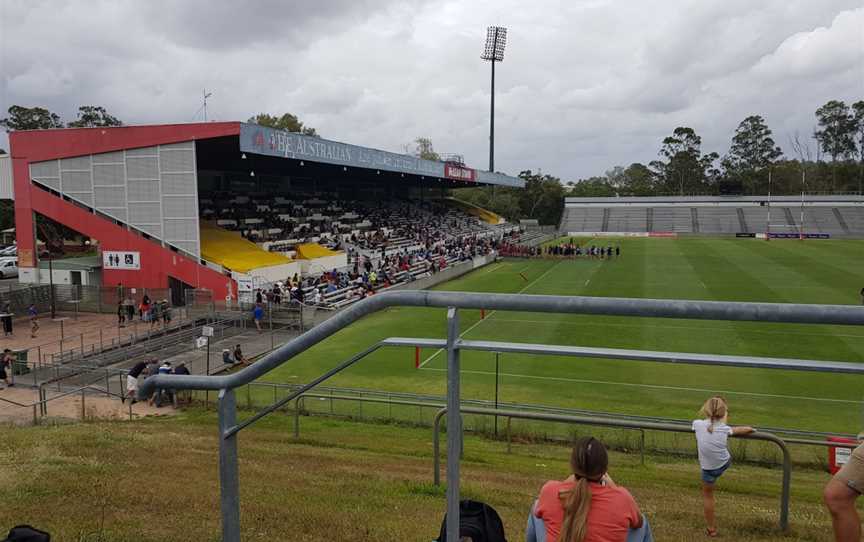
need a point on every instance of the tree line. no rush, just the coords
(754, 165)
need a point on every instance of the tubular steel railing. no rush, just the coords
(453, 301)
(361, 395)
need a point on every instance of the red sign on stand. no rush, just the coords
(459, 173)
(837, 457)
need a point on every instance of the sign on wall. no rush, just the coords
(130, 261)
(454, 171)
(270, 142)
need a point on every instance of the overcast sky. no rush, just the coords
(585, 84)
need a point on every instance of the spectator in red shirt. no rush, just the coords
(587, 506)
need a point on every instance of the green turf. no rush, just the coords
(713, 269)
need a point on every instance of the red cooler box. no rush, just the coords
(837, 457)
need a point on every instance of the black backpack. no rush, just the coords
(26, 533)
(477, 520)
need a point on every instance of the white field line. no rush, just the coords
(692, 328)
(493, 268)
(478, 322)
(655, 386)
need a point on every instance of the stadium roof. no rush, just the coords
(266, 141)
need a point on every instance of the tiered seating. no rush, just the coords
(627, 219)
(718, 219)
(279, 224)
(819, 220)
(672, 219)
(840, 216)
(854, 219)
(582, 219)
(757, 217)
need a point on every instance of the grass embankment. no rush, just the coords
(157, 480)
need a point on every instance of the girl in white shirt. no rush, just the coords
(712, 433)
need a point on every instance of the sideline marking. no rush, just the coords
(657, 386)
(478, 322)
(827, 335)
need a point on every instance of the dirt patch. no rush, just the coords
(96, 406)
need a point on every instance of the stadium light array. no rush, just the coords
(496, 40)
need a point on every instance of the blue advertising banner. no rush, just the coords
(270, 142)
(798, 236)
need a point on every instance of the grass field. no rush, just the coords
(155, 480)
(711, 269)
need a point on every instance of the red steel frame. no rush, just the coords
(157, 262)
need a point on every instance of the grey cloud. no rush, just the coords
(585, 85)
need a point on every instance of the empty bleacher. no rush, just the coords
(629, 219)
(582, 219)
(853, 217)
(718, 219)
(674, 219)
(837, 216)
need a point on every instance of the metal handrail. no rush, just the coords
(453, 301)
(607, 306)
(364, 393)
(582, 420)
(299, 402)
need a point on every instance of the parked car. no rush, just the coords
(8, 268)
(9, 251)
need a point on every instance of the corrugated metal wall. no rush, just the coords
(6, 190)
(154, 189)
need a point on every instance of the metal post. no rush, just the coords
(297, 417)
(642, 446)
(509, 442)
(82, 345)
(51, 288)
(229, 479)
(492, 115)
(496, 391)
(207, 393)
(83, 411)
(454, 423)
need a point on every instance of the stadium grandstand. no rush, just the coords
(749, 216)
(222, 205)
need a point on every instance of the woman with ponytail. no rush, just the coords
(587, 506)
(712, 433)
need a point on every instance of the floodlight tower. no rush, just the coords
(496, 39)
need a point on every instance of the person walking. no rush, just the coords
(258, 315)
(7, 319)
(121, 314)
(34, 320)
(6, 367)
(712, 434)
